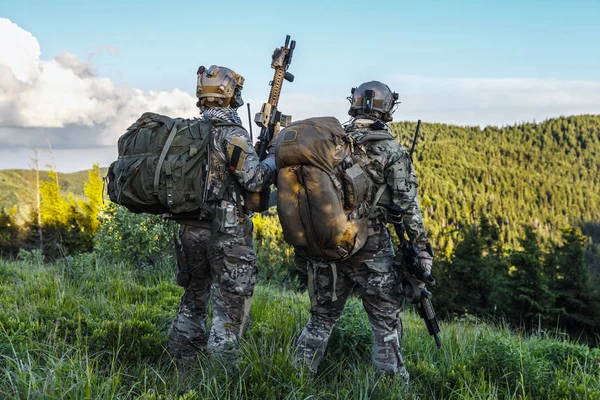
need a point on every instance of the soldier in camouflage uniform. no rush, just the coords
(215, 254)
(370, 270)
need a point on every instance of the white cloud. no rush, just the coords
(111, 49)
(480, 101)
(66, 93)
(464, 101)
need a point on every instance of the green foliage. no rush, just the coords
(540, 174)
(98, 331)
(528, 284)
(18, 188)
(528, 287)
(93, 190)
(9, 235)
(274, 256)
(141, 239)
(68, 225)
(576, 296)
(471, 281)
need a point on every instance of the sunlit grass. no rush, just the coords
(98, 331)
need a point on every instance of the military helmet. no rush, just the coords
(219, 87)
(373, 99)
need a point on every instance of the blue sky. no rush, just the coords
(428, 51)
(498, 39)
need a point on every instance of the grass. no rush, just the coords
(86, 329)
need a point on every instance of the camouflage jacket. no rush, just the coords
(233, 153)
(388, 163)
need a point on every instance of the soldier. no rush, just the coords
(371, 268)
(215, 254)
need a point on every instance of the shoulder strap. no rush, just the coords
(372, 137)
(377, 198)
(222, 122)
(163, 155)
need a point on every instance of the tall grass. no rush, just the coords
(84, 329)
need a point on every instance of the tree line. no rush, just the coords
(59, 225)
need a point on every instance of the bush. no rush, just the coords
(275, 258)
(140, 239)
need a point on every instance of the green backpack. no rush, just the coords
(163, 166)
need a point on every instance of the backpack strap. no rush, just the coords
(163, 155)
(333, 266)
(222, 122)
(311, 284)
(376, 199)
(372, 137)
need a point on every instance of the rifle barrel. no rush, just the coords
(415, 139)
(250, 123)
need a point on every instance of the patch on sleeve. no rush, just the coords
(237, 151)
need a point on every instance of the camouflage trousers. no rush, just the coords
(329, 287)
(221, 270)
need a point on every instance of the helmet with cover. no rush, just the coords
(373, 99)
(219, 87)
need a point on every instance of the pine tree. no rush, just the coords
(93, 190)
(575, 295)
(9, 235)
(531, 296)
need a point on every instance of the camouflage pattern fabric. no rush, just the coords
(220, 266)
(252, 174)
(387, 162)
(371, 269)
(224, 273)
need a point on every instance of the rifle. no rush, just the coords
(269, 119)
(412, 274)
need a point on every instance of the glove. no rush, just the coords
(257, 147)
(270, 162)
(270, 147)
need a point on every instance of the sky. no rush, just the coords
(74, 75)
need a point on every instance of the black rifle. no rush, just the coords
(412, 273)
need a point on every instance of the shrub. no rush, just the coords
(275, 258)
(126, 237)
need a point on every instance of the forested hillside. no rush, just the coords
(542, 174)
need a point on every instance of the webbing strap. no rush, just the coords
(169, 175)
(238, 199)
(377, 198)
(311, 284)
(163, 155)
(373, 137)
(228, 179)
(334, 273)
